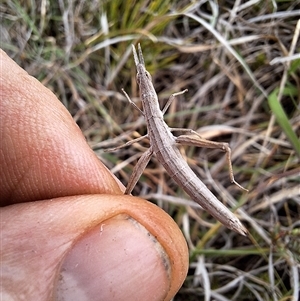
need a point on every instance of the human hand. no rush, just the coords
(67, 230)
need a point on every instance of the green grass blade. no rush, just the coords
(283, 121)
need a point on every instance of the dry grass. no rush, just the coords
(230, 57)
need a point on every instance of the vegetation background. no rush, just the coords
(240, 62)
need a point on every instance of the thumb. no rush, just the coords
(91, 247)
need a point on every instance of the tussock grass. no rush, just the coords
(240, 62)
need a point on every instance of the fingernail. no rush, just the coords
(117, 260)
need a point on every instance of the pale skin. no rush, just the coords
(57, 198)
(164, 145)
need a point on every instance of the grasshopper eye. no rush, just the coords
(148, 75)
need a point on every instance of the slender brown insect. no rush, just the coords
(164, 145)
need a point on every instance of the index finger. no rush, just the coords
(43, 152)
